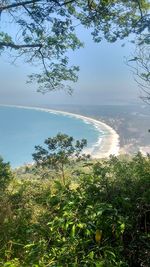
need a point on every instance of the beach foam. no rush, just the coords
(108, 142)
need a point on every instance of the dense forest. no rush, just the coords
(99, 217)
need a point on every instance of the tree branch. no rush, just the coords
(67, 2)
(45, 68)
(15, 46)
(14, 5)
(24, 3)
(140, 8)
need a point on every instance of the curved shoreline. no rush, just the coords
(108, 142)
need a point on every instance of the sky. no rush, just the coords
(104, 78)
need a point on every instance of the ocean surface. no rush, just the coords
(21, 129)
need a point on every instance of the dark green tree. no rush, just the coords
(5, 174)
(45, 30)
(61, 151)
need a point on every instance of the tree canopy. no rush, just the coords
(102, 219)
(45, 30)
(5, 175)
(62, 150)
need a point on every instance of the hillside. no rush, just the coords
(100, 217)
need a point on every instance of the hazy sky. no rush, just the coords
(103, 77)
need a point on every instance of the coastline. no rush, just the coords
(108, 142)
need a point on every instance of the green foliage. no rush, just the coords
(46, 31)
(61, 151)
(5, 174)
(104, 221)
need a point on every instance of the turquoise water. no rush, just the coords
(22, 129)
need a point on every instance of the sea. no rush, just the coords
(21, 129)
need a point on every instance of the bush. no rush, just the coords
(104, 221)
(5, 174)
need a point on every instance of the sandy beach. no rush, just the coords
(108, 142)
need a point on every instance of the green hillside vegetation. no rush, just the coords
(100, 217)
